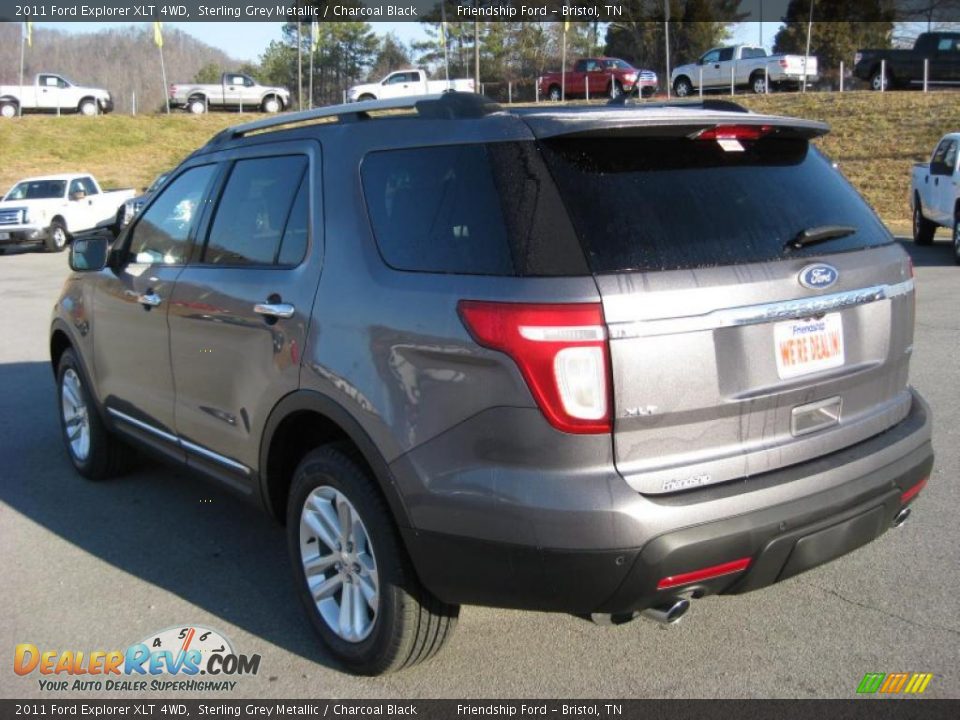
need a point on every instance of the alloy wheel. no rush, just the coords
(76, 420)
(339, 564)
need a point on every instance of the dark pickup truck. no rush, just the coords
(904, 68)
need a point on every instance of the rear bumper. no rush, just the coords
(794, 533)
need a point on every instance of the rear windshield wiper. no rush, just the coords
(819, 234)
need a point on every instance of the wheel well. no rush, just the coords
(756, 74)
(9, 99)
(272, 96)
(295, 436)
(956, 209)
(63, 222)
(684, 77)
(553, 86)
(197, 96)
(59, 342)
(86, 98)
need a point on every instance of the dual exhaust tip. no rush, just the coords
(666, 614)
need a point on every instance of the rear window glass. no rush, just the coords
(672, 203)
(484, 209)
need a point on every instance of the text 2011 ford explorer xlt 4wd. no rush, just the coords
(589, 360)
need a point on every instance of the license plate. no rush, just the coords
(808, 346)
(4, 236)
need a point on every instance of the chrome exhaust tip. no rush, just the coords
(669, 613)
(901, 517)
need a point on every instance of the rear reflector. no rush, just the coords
(734, 132)
(561, 351)
(911, 493)
(708, 573)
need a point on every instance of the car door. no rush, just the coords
(945, 65)
(240, 311)
(83, 205)
(940, 193)
(131, 339)
(710, 64)
(48, 91)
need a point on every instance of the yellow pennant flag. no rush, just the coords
(566, 25)
(29, 33)
(314, 36)
(443, 34)
(158, 34)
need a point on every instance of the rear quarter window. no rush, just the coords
(479, 209)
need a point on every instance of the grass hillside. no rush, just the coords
(875, 139)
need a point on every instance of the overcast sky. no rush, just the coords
(247, 40)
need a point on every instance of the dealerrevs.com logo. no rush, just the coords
(182, 658)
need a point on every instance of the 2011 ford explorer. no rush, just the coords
(479, 356)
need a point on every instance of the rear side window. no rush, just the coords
(673, 203)
(255, 209)
(489, 209)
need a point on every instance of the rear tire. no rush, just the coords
(923, 229)
(340, 531)
(758, 83)
(100, 455)
(57, 237)
(682, 87)
(197, 106)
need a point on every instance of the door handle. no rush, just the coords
(936, 181)
(275, 310)
(149, 299)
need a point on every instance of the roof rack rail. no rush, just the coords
(708, 104)
(449, 104)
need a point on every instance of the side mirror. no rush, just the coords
(88, 253)
(79, 195)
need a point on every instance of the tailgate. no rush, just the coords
(734, 350)
(708, 390)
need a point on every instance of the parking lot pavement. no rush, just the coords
(99, 566)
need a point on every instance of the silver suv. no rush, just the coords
(589, 360)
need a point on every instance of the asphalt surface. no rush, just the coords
(98, 566)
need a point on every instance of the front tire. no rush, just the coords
(923, 229)
(682, 87)
(956, 240)
(352, 573)
(8, 110)
(88, 108)
(878, 82)
(94, 452)
(555, 93)
(272, 105)
(615, 90)
(56, 240)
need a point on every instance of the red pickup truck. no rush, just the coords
(598, 76)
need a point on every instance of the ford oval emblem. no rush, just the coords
(818, 277)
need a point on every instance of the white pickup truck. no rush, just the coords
(48, 210)
(53, 93)
(935, 194)
(747, 65)
(403, 83)
(235, 91)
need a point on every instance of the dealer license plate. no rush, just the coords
(808, 346)
(4, 236)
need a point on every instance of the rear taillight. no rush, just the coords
(561, 351)
(734, 132)
(783, 62)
